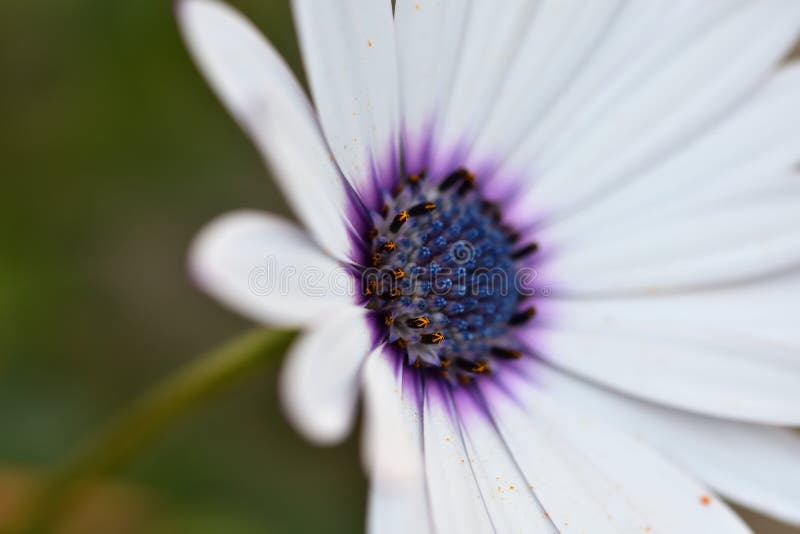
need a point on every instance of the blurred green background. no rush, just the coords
(113, 153)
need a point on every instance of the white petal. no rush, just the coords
(718, 190)
(262, 94)
(674, 86)
(731, 353)
(268, 269)
(510, 500)
(590, 478)
(349, 53)
(393, 510)
(754, 465)
(479, 69)
(392, 448)
(551, 59)
(457, 503)
(392, 437)
(731, 242)
(429, 35)
(320, 379)
(746, 153)
(759, 311)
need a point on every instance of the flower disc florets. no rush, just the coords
(442, 276)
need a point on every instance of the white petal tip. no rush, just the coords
(321, 426)
(255, 262)
(319, 384)
(209, 243)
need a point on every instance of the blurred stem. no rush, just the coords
(199, 381)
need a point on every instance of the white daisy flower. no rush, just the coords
(571, 234)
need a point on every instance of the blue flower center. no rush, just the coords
(443, 276)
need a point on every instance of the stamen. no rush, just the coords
(398, 273)
(421, 209)
(505, 354)
(469, 181)
(432, 339)
(522, 317)
(370, 289)
(419, 322)
(479, 367)
(454, 178)
(524, 251)
(464, 380)
(414, 179)
(398, 221)
(389, 246)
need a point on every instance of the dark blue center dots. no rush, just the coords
(442, 277)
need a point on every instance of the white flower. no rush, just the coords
(627, 168)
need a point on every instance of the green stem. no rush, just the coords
(200, 380)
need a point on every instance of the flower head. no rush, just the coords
(555, 243)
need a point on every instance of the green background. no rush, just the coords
(113, 153)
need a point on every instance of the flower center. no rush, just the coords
(443, 276)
